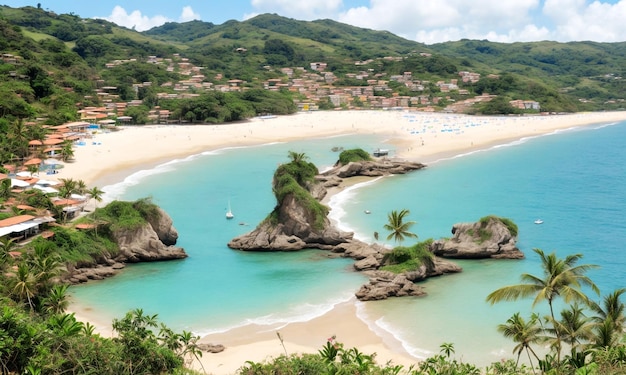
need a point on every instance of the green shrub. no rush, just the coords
(290, 180)
(511, 226)
(353, 155)
(404, 259)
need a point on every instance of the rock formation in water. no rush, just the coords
(296, 223)
(491, 237)
(152, 241)
(295, 226)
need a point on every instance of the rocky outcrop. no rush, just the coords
(488, 238)
(152, 241)
(385, 284)
(298, 228)
(293, 227)
(374, 168)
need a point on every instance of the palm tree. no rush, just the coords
(56, 302)
(574, 327)
(81, 187)
(398, 227)
(297, 157)
(561, 277)
(524, 333)
(67, 152)
(96, 194)
(609, 318)
(447, 348)
(6, 246)
(68, 187)
(24, 284)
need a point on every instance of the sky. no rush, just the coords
(425, 21)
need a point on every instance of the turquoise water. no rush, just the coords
(574, 180)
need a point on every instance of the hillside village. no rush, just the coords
(314, 85)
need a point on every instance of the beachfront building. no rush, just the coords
(21, 227)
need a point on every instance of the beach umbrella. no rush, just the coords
(19, 183)
(33, 161)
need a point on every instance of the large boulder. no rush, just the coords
(488, 238)
(384, 284)
(143, 244)
(164, 227)
(151, 241)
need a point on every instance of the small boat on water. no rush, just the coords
(229, 213)
(538, 221)
(367, 212)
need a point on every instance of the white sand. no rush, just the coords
(414, 136)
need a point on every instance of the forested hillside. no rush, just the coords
(54, 66)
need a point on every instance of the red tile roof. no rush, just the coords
(15, 220)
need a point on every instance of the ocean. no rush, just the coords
(574, 180)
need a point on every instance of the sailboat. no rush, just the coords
(229, 213)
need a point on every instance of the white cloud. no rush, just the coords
(438, 21)
(188, 15)
(140, 22)
(578, 20)
(135, 19)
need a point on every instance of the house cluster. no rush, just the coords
(25, 178)
(35, 221)
(314, 84)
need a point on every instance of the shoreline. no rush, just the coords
(257, 343)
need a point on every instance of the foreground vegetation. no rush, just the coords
(38, 336)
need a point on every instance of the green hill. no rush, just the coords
(63, 60)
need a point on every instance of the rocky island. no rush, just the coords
(299, 221)
(151, 239)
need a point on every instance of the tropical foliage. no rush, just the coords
(592, 331)
(38, 336)
(404, 259)
(292, 180)
(353, 155)
(397, 226)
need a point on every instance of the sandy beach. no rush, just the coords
(109, 157)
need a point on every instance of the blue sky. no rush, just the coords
(426, 21)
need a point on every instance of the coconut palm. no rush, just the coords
(398, 227)
(524, 333)
(297, 157)
(6, 246)
(81, 187)
(561, 277)
(95, 193)
(68, 187)
(24, 285)
(56, 302)
(574, 327)
(67, 151)
(609, 318)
